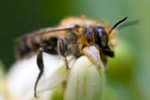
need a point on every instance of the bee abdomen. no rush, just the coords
(22, 50)
(28, 46)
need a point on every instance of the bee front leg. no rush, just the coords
(62, 48)
(40, 64)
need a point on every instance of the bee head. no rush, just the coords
(101, 38)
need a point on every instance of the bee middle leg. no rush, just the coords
(62, 48)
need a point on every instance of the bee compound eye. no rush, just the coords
(101, 37)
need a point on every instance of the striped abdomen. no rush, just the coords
(32, 42)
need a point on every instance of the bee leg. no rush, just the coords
(62, 48)
(40, 64)
(66, 62)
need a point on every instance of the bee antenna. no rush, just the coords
(122, 20)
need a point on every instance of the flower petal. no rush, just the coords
(86, 81)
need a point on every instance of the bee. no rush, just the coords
(73, 36)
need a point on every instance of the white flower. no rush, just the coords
(83, 81)
(22, 76)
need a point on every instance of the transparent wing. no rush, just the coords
(47, 30)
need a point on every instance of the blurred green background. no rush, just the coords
(21, 16)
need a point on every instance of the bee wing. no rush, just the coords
(25, 43)
(50, 29)
(47, 30)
